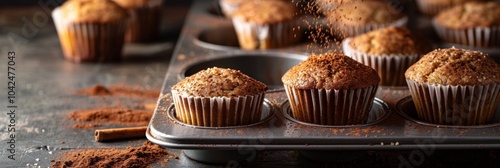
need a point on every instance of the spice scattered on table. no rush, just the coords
(138, 157)
(112, 116)
(120, 90)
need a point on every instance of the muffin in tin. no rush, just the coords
(145, 19)
(474, 24)
(433, 7)
(331, 89)
(91, 30)
(358, 17)
(455, 87)
(266, 24)
(218, 97)
(229, 6)
(390, 51)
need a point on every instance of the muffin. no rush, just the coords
(229, 6)
(91, 30)
(331, 89)
(326, 6)
(455, 87)
(265, 24)
(218, 97)
(472, 24)
(433, 7)
(145, 21)
(358, 17)
(390, 51)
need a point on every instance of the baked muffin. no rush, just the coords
(145, 21)
(433, 7)
(91, 30)
(331, 89)
(358, 17)
(265, 24)
(473, 24)
(326, 6)
(390, 51)
(218, 97)
(229, 6)
(455, 87)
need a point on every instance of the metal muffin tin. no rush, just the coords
(207, 40)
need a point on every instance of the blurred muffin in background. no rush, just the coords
(266, 24)
(145, 19)
(475, 24)
(229, 6)
(433, 7)
(358, 17)
(331, 89)
(390, 51)
(91, 30)
(455, 87)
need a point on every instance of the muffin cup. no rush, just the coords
(484, 37)
(228, 8)
(90, 42)
(455, 105)
(390, 68)
(331, 107)
(256, 36)
(431, 9)
(344, 30)
(218, 111)
(145, 22)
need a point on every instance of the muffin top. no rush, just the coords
(365, 12)
(455, 67)
(219, 82)
(386, 41)
(265, 12)
(133, 3)
(471, 14)
(94, 11)
(330, 71)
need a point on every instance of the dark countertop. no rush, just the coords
(46, 83)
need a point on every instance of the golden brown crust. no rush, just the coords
(386, 41)
(265, 12)
(472, 14)
(330, 71)
(219, 82)
(365, 12)
(455, 67)
(92, 11)
(128, 4)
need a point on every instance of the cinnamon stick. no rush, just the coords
(116, 134)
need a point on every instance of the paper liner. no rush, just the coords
(255, 36)
(218, 111)
(432, 8)
(390, 68)
(331, 107)
(455, 105)
(484, 37)
(228, 8)
(339, 28)
(145, 22)
(90, 42)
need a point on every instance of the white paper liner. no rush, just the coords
(331, 107)
(90, 42)
(390, 68)
(145, 22)
(339, 28)
(484, 37)
(455, 105)
(431, 8)
(228, 8)
(256, 36)
(218, 111)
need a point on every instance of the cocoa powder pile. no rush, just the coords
(123, 90)
(112, 116)
(137, 157)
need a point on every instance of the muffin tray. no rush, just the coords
(208, 40)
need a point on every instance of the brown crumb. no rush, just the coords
(85, 126)
(120, 90)
(138, 157)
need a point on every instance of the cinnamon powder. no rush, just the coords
(112, 116)
(120, 89)
(137, 157)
